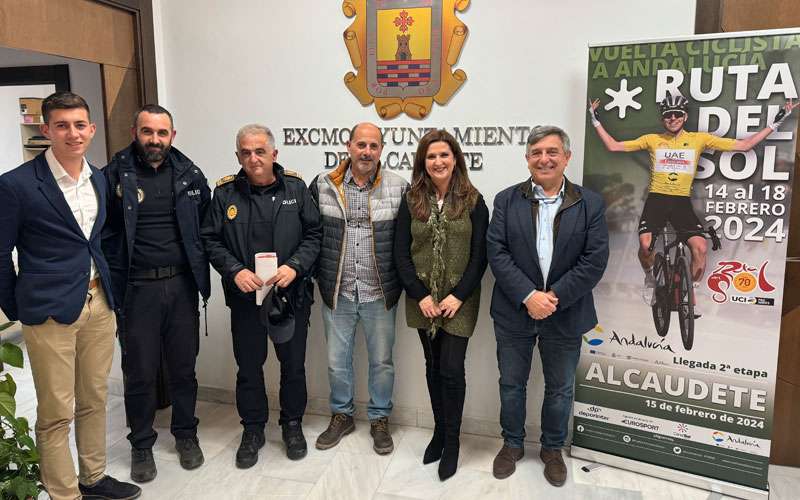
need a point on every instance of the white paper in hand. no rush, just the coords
(266, 268)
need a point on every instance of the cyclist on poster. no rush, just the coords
(674, 155)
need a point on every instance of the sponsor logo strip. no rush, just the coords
(696, 433)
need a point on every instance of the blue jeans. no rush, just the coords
(340, 332)
(559, 361)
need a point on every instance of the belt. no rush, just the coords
(157, 273)
(94, 283)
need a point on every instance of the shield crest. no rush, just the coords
(404, 48)
(403, 52)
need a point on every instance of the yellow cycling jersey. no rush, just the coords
(673, 159)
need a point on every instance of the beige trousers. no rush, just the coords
(70, 365)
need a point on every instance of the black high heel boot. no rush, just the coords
(453, 407)
(434, 450)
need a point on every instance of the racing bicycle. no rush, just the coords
(672, 270)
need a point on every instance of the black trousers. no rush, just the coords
(250, 350)
(160, 314)
(444, 373)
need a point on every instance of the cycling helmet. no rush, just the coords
(674, 103)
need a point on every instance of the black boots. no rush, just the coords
(292, 434)
(247, 454)
(447, 402)
(453, 408)
(434, 450)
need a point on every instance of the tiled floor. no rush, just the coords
(353, 471)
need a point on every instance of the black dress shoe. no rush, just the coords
(190, 453)
(109, 488)
(143, 467)
(247, 454)
(292, 433)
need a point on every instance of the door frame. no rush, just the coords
(142, 11)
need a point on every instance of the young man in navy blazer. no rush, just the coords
(51, 210)
(548, 247)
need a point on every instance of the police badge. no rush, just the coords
(403, 52)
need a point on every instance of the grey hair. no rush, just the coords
(539, 132)
(255, 129)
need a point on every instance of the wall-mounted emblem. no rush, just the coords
(403, 52)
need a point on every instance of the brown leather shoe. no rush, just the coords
(504, 462)
(555, 470)
(381, 438)
(340, 426)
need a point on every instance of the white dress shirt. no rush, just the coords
(80, 196)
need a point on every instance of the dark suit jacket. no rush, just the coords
(580, 255)
(53, 254)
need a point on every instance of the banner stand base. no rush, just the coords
(676, 476)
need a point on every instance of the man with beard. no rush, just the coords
(152, 242)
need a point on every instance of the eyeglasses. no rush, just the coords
(673, 115)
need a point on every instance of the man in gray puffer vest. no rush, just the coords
(358, 203)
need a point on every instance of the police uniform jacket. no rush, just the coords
(296, 233)
(191, 197)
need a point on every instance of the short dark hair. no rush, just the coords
(539, 132)
(154, 109)
(62, 100)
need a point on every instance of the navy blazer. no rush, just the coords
(580, 255)
(53, 254)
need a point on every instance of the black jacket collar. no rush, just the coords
(243, 185)
(127, 159)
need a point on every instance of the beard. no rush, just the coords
(152, 155)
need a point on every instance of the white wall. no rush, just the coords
(10, 119)
(226, 64)
(84, 80)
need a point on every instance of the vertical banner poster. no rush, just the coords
(680, 371)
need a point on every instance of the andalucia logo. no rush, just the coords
(403, 52)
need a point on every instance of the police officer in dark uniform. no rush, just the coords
(158, 265)
(264, 208)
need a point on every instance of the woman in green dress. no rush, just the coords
(440, 253)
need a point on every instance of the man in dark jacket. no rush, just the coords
(548, 247)
(158, 266)
(264, 208)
